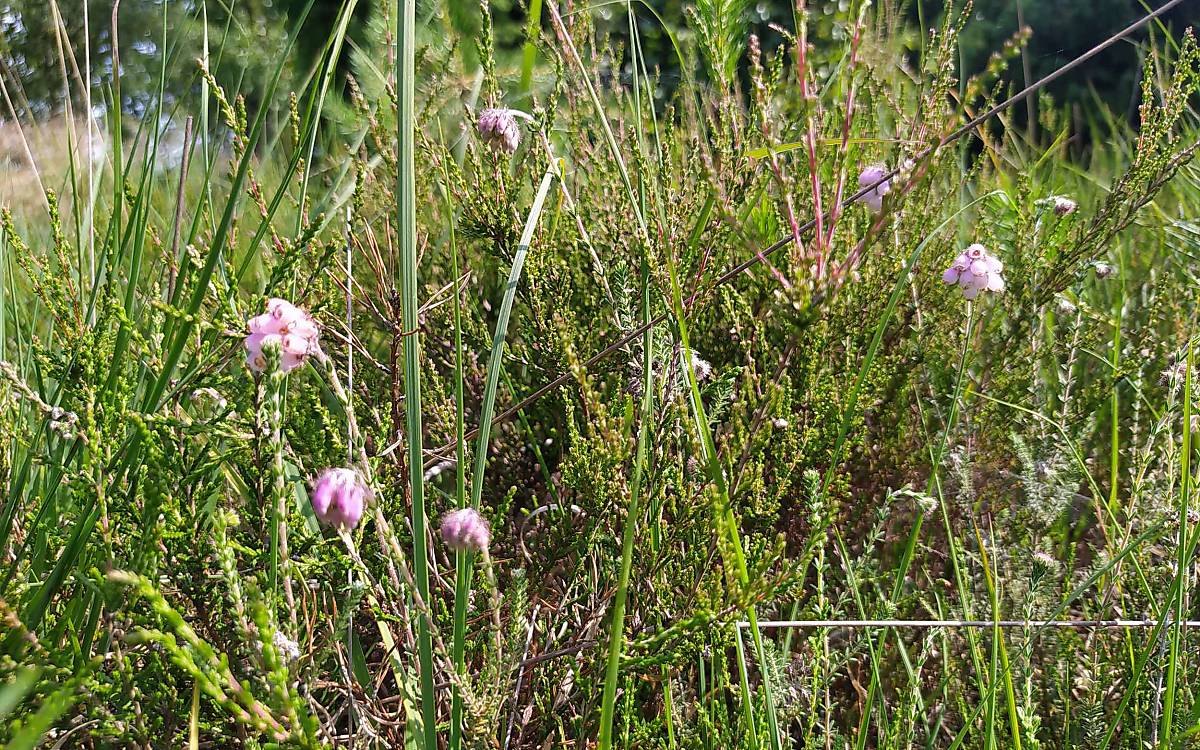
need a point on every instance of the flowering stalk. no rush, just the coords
(387, 535)
(402, 574)
(271, 417)
(810, 138)
(835, 210)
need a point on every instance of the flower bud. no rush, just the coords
(499, 129)
(339, 498)
(1064, 206)
(871, 176)
(464, 529)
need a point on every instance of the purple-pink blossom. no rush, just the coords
(499, 129)
(464, 529)
(339, 497)
(1064, 206)
(975, 270)
(870, 176)
(289, 327)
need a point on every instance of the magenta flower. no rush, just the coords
(870, 176)
(288, 326)
(499, 129)
(339, 498)
(975, 270)
(1064, 206)
(464, 529)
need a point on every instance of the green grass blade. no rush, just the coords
(406, 229)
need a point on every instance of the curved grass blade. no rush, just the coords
(465, 567)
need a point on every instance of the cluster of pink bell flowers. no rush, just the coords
(339, 495)
(975, 270)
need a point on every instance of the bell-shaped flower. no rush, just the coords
(499, 129)
(289, 327)
(339, 498)
(871, 178)
(975, 270)
(464, 529)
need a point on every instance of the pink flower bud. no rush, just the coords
(975, 270)
(464, 529)
(499, 129)
(869, 177)
(339, 498)
(1064, 206)
(288, 327)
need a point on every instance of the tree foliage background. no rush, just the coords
(251, 34)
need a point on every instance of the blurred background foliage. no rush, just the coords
(29, 46)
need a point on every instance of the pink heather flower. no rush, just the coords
(288, 326)
(870, 176)
(339, 498)
(464, 529)
(975, 270)
(499, 129)
(1064, 206)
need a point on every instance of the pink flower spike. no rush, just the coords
(339, 497)
(287, 326)
(464, 529)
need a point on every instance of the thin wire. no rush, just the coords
(740, 268)
(961, 623)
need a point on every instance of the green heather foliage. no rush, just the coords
(832, 433)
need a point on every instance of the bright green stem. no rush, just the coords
(496, 359)
(529, 56)
(999, 647)
(465, 561)
(1114, 463)
(1181, 563)
(616, 633)
(458, 647)
(724, 517)
(406, 229)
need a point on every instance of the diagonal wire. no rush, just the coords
(808, 226)
(961, 623)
